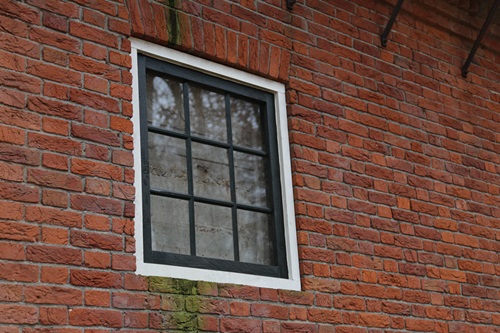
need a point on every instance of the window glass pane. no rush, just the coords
(252, 179)
(207, 114)
(214, 231)
(165, 102)
(255, 238)
(167, 163)
(246, 124)
(210, 172)
(170, 225)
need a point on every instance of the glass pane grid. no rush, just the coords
(229, 165)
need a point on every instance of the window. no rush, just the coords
(212, 171)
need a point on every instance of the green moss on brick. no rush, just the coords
(172, 286)
(193, 304)
(181, 321)
(173, 23)
(207, 288)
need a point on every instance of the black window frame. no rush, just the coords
(230, 88)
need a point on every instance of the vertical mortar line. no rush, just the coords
(232, 180)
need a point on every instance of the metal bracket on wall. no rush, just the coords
(290, 3)
(395, 12)
(465, 68)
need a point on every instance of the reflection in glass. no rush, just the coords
(214, 231)
(246, 124)
(164, 102)
(207, 114)
(210, 172)
(167, 163)
(255, 240)
(251, 179)
(169, 225)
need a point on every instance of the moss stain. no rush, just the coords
(172, 286)
(173, 27)
(187, 300)
(182, 321)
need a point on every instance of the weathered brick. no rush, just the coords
(55, 179)
(15, 314)
(53, 295)
(95, 317)
(96, 240)
(54, 254)
(96, 204)
(18, 272)
(53, 216)
(95, 279)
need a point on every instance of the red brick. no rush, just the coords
(12, 61)
(96, 204)
(95, 279)
(56, 39)
(88, 32)
(18, 192)
(11, 251)
(135, 301)
(55, 179)
(12, 98)
(53, 295)
(55, 90)
(95, 317)
(15, 314)
(53, 254)
(96, 152)
(243, 325)
(55, 22)
(54, 161)
(95, 134)
(53, 316)
(19, 231)
(18, 272)
(96, 169)
(94, 51)
(97, 298)
(374, 320)
(21, 46)
(97, 260)
(97, 222)
(135, 282)
(55, 235)
(123, 262)
(54, 73)
(125, 158)
(119, 26)
(11, 292)
(20, 81)
(57, 275)
(101, 69)
(96, 240)
(11, 172)
(136, 319)
(94, 100)
(420, 325)
(54, 143)
(53, 216)
(55, 126)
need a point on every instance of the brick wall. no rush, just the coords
(395, 162)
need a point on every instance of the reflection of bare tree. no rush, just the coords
(165, 102)
(246, 124)
(207, 114)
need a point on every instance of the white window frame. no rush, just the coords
(243, 78)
